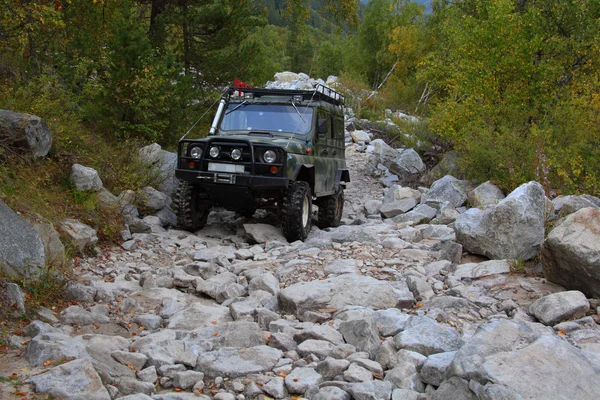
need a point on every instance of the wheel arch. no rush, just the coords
(305, 173)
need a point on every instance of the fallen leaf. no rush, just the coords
(48, 362)
(561, 333)
(281, 374)
(420, 304)
(177, 389)
(216, 334)
(214, 322)
(330, 323)
(296, 379)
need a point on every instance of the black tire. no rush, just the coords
(192, 212)
(330, 209)
(296, 211)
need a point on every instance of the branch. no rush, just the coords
(384, 80)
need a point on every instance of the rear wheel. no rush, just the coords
(296, 211)
(192, 211)
(330, 209)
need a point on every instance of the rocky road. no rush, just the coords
(387, 306)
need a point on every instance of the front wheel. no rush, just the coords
(192, 211)
(330, 209)
(296, 211)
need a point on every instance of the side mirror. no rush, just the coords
(322, 127)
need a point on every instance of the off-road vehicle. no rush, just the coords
(267, 148)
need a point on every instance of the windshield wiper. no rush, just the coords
(243, 103)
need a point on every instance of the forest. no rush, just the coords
(512, 85)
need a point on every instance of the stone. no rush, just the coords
(53, 345)
(405, 394)
(133, 386)
(421, 214)
(571, 253)
(82, 235)
(408, 162)
(359, 136)
(149, 321)
(148, 374)
(22, 252)
(390, 321)
(566, 205)
(77, 315)
(372, 207)
(342, 266)
(485, 195)
(152, 200)
(331, 367)
(187, 379)
(266, 282)
(362, 334)
(73, 380)
(513, 229)
(479, 270)
(16, 297)
(357, 373)
(434, 369)
(25, 132)
(221, 287)
(331, 393)
(454, 388)
(161, 165)
(319, 332)
(275, 388)
(136, 360)
(405, 376)
(397, 207)
(320, 348)
(85, 179)
(263, 233)
(371, 390)
(234, 362)
(336, 293)
(559, 307)
(425, 336)
(419, 287)
(447, 189)
(53, 247)
(301, 379)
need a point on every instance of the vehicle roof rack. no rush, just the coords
(320, 92)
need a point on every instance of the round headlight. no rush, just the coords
(196, 152)
(214, 152)
(270, 156)
(236, 154)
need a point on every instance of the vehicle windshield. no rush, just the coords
(267, 117)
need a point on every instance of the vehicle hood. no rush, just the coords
(289, 144)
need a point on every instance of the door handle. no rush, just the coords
(334, 153)
(324, 152)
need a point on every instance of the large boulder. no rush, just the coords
(447, 189)
(515, 354)
(85, 179)
(25, 131)
(336, 293)
(82, 235)
(74, 380)
(565, 205)
(485, 195)
(233, 362)
(53, 247)
(571, 253)
(449, 165)
(21, 247)
(161, 165)
(513, 229)
(408, 162)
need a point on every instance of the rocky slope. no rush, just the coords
(387, 306)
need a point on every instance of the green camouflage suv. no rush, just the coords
(267, 148)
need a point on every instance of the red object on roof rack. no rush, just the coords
(240, 85)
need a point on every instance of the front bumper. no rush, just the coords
(212, 179)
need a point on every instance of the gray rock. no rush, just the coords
(161, 348)
(266, 282)
(421, 214)
(447, 189)
(22, 251)
(77, 315)
(449, 165)
(397, 207)
(79, 292)
(167, 217)
(180, 396)
(405, 376)
(479, 270)
(559, 307)
(331, 393)
(566, 205)
(425, 336)
(53, 346)
(447, 213)
(331, 367)
(198, 315)
(485, 195)
(148, 374)
(53, 247)
(132, 386)
(301, 379)
(419, 287)
(136, 360)
(408, 162)
(83, 236)
(362, 334)
(342, 266)
(263, 233)
(162, 165)
(513, 229)
(434, 368)
(571, 253)
(336, 293)
(16, 297)
(454, 388)
(25, 131)
(360, 136)
(149, 321)
(372, 207)
(320, 348)
(405, 394)
(138, 396)
(275, 388)
(229, 334)
(85, 179)
(390, 321)
(319, 332)
(371, 390)
(74, 380)
(187, 379)
(98, 348)
(357, 373)
(235, 362)
(152, 200)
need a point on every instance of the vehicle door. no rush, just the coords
(322, 142)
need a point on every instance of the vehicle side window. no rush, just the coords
(327, 117)
(338, 128)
